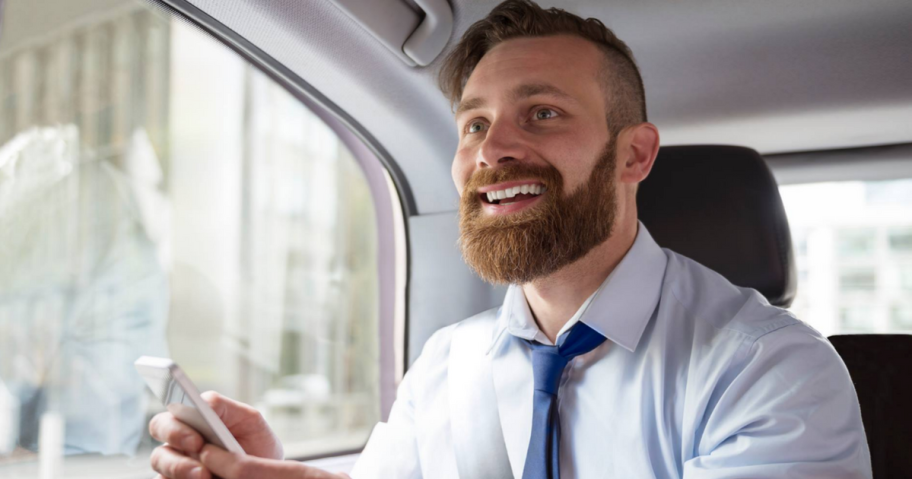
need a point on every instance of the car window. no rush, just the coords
(853, 249)
(161, 196)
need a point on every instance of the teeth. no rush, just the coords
(512, 192)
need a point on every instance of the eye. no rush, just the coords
(545, 114)
(474, 126)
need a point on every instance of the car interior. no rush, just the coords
(261, 190)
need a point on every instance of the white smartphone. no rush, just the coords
(175, 390)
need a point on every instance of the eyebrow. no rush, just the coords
(518, 93)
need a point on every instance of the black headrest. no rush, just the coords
(720, 206)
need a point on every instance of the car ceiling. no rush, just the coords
(777, 75)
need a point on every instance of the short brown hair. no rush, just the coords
(620, 77)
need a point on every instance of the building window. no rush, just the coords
(160, 196)
(856, 319)
(852, 244)
(853, 281)
(901, 316)
(905, 278)
(901, 240)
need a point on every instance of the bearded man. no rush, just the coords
(610, 356)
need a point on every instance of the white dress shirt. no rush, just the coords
(698, 378)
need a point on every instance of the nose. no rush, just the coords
(502, 144)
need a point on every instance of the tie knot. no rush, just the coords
(548, 362)
(548, 367)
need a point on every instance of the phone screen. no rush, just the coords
(172, 393)
(178, 401)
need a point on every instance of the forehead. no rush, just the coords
(569, 62)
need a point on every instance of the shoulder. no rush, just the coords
(737, 327)
(436, 351)
(782, 390)
(709, 299)
(425, 382)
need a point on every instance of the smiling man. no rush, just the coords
(610, 357)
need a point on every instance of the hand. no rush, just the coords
(179, 458)
(236, 466)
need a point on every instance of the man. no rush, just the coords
(661, 367)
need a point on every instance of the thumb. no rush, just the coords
(231, 412)
(246, 424)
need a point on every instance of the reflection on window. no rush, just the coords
(160, 196)
(852, 244)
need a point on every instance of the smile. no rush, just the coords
(504, 198)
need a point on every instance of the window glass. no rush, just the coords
(902, 317)
(905, 278)
(160, 196)
(851, 243)
(853, 248)
(901, 240)
(856, 318)
(857, 281)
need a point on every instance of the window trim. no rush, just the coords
(867, 163)
(382, 173)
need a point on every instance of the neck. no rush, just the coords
(556, 298)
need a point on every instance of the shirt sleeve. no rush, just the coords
(788, 411)
(392, 449)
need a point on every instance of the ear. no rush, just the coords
(638, 146)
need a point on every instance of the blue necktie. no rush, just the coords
(548, 363)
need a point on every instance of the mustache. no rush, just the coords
(546, 174)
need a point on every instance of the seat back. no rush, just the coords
(881, 368)
(720, 206)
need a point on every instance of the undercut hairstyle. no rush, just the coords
(619, 76)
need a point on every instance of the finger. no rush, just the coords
(228, 465)
(232, 413)
(170, 463)
(166, 428)
(247, 424)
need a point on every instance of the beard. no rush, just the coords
(533, 243)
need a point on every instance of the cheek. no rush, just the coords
(575, 168)
(461, 171)
(574, 180)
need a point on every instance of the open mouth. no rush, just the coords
(509, 193)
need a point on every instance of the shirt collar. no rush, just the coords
(619, 309)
